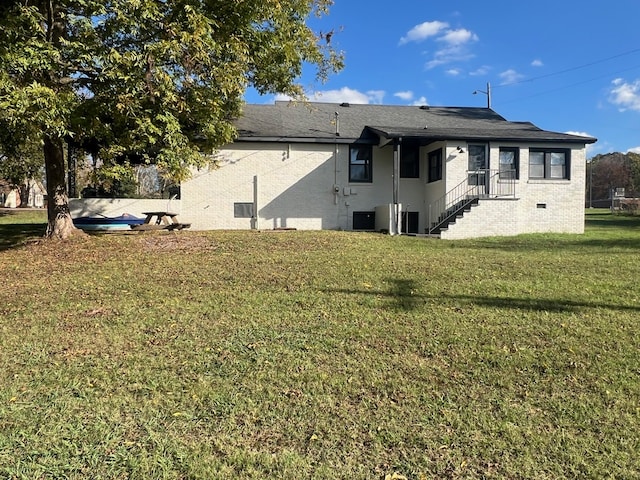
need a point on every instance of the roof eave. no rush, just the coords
(431, 137)
(284, 139)
(444, 136)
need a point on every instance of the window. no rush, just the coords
(509, 163)
(410, 161)
(536, 164)
(558, 161)
(435, 166)
(360, 157)
(549, 163)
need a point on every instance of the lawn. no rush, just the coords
(319, 355)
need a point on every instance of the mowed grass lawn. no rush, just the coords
(319, 355)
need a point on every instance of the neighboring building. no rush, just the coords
(456, 172)
(30, 194)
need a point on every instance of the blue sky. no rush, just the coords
(565, 65)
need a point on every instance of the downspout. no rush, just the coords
(336, 189)
(396, 186)
(254, 220)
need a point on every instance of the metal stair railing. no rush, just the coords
(496, 184)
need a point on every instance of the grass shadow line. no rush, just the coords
(405, 298)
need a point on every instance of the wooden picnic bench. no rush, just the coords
(160, 221)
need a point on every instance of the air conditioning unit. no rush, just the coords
(384, 218)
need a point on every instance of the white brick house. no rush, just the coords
(455, 172)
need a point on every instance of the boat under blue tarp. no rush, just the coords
(121, 222)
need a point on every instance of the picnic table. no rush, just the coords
(160, 221)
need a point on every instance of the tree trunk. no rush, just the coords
(60, 225)
(25, 190)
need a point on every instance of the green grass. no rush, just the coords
(324, 355)
(19, 226)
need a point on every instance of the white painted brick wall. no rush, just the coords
(296, 190)
(492, 217)
(563, 202)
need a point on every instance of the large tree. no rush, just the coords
(613, 170)
(146, 80)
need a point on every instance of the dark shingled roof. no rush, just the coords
(316, 122)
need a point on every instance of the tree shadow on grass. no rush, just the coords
(403, 296)
(17, 234)
(607, 219)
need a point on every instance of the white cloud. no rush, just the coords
(634, 150)
(580, 134)
(625, 95)
(455, 50)
(376, 96)
(455, 42)
(454, 72)
(420, 101)
(280, 97)
(510, 76)
(458, 37)
(481, 71)
(436, 62)
(449, 55)
(423, 31)
(407, 95)
(344, 94)
(589, 147)
(537, 63)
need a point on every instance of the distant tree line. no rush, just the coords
(611, 171)
(20, 167)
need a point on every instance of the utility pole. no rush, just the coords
(487, 93)
(591, 183)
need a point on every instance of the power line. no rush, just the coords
(569, 86)
(571, 69)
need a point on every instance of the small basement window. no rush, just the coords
(243, 210)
